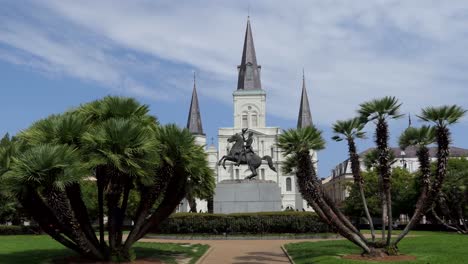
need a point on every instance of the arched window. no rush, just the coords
(288, 184)
(245, 121)
(254, 120)
(262, 173)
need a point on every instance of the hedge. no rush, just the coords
(244, 223)
(19, 230)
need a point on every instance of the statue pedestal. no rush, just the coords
(242, 196)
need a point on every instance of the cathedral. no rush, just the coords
(249, 99)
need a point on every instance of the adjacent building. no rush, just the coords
(337, 185)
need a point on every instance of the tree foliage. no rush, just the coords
(108, 158)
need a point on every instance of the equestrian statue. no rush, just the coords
(242, 153)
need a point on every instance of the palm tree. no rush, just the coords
(419, 137)
(39, 178)
(297, 145)
(124, 150)
(116, 140)
(350, 130)
(442, 117)
(97, 112)
(183, 165)
(380, 111)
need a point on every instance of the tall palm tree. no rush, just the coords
(380, 111)
(350, 130)
(442, 117)
(297, 145)
(419, 137)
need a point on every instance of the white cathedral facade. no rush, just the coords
(249, 100)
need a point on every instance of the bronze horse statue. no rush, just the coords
(251, 159)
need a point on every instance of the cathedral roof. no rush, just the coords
(305, 117)
(194, 123)
(249, 70)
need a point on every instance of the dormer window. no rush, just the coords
(249, 72)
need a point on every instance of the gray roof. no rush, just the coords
(305, 117)
(194, 123)
(410, 152)
(249, 70)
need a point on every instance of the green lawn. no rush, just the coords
(427, 247)
(32, 249)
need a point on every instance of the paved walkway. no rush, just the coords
(240, 251)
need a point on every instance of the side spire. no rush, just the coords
(194, 123)
(249, 70)
(305, 117)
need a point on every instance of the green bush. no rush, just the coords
(18, 230)
(244, 223)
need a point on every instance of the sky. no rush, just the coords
(55, 55)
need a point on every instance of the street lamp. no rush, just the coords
(403, 161)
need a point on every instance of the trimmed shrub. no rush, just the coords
(18, 230)
(242, 223)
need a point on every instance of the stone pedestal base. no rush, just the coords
(242, 196)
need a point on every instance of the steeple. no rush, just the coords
(305, 117)
(194, 123)
(249, 70)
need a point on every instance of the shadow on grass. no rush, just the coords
(163, 255)
(48, 256)
(302, 251)
(259, 257)
(36, 256)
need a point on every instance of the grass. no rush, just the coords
(427, 247)
(41, 249)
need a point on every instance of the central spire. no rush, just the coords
(249, 70)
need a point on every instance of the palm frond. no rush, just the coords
(386, 107)
(443, 115)
(412, 136)
(301, 140)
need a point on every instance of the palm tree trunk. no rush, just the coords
(385, 171)
(81, 212)
(383, 201)
(356, 169)
(121, 218)
(437, 217)
(148, 197)
(100, 174)
(113, 198)
(46, 219)
(174, 193)
(310, 189)
(424, 200)
(58, 202)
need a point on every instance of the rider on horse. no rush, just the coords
(247, 146)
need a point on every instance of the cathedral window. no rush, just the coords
(245, 122)
(288, 184)
(254, 120)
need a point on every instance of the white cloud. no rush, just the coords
(352, 50)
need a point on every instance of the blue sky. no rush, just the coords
(57, 54)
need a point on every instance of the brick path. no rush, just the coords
(240, 251)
